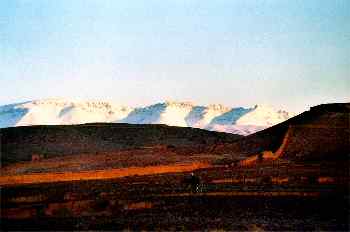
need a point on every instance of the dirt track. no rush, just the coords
(98, 174)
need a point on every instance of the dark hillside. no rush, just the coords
(20, 143)
(307, 143)
(323, 131)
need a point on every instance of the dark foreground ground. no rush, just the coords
(164, 202)
(208, 213)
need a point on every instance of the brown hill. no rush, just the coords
(322, 133)
(36, 142)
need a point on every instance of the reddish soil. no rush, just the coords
(98, 174)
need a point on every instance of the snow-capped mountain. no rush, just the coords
(59, 112)
(238, 120)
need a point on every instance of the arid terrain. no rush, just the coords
(292, 176)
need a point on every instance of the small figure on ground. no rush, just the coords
(192, 182)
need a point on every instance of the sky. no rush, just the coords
(288, 54)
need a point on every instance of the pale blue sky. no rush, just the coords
(290, 54)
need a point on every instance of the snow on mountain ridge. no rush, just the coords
(218, 107)
(262, 115)
(212, 117)
(178, 104)
(80, 103)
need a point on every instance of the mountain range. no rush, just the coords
(216, 117)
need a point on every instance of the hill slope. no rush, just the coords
(319, 134)
(20, 143)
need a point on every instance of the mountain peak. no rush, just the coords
(172, 103)
(218, 107)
